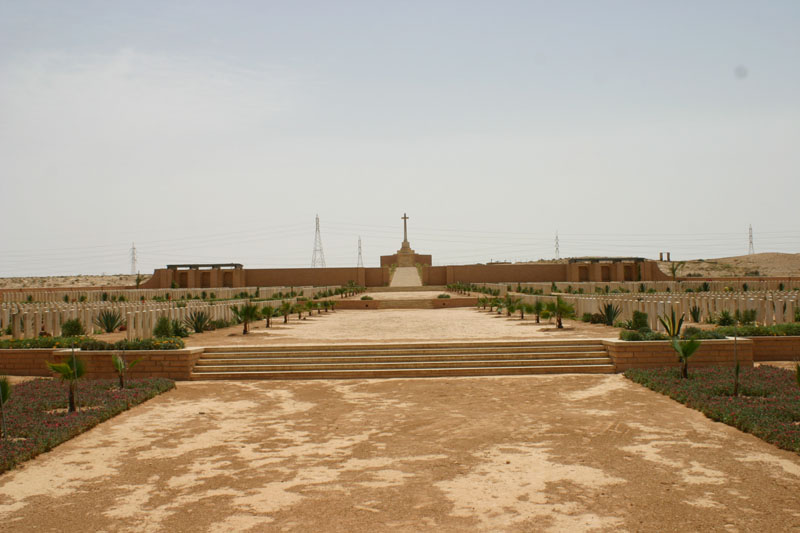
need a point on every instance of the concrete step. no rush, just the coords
(238, 359)
(367, 365)
(408, 372)
(579, 345)
(400, 353)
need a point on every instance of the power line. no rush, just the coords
(318, 258)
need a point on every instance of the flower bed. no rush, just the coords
(768, 405)
(89, 343)
(37, 420)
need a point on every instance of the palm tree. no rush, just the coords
(560, 310)
(685, 350)
(285, 309)
(71, 371)
(536, 308)
(674, 268)
(523, 308)
(5, 394)
(245, 314)
(326, 305)
(309, 306)
(268, 312)
(122, 367)
(333, 305)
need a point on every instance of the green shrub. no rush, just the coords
(219, 324)
(177, 329)
(88, 343)
(644, 334)
(108, 320)
(702, 334)
(586, 317)
(777, 330)
(725, 318)
(745, 317)
(609, 313)
(72, 328)
(198, 321)
(639, 320)
(696, 313)
(443, 295)
(163, 328)
(365, 297)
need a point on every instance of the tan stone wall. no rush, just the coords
(173, 364)
(776, 348)
(655, 354)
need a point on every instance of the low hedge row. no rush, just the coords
(777, 330)
(646, 334)
(89, 343)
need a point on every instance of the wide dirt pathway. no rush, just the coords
(543, 453)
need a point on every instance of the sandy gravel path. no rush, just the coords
(540, 453)
(399, 325)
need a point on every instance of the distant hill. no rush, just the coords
(765, 264)
(69, 282)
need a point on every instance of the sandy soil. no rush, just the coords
(398, 325)
(539, 453)
(767, 264)
(70, 282)
(410, 295)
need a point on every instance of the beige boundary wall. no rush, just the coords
(173, 364)
(655, 354)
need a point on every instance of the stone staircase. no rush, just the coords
(405, 360)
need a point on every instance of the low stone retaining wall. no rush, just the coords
(173, 364)
(654, 354)
(776, 348)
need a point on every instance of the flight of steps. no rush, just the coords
(403, 360)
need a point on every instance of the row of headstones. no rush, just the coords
(142, 323)
(31, 324)
(96, 295)
(591, 287)
(768, 311)
(88, 312)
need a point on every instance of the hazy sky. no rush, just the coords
(215, 131)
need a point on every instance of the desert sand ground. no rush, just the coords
(399, 325)
(766, 264)
(392, 325)
(539, 453)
